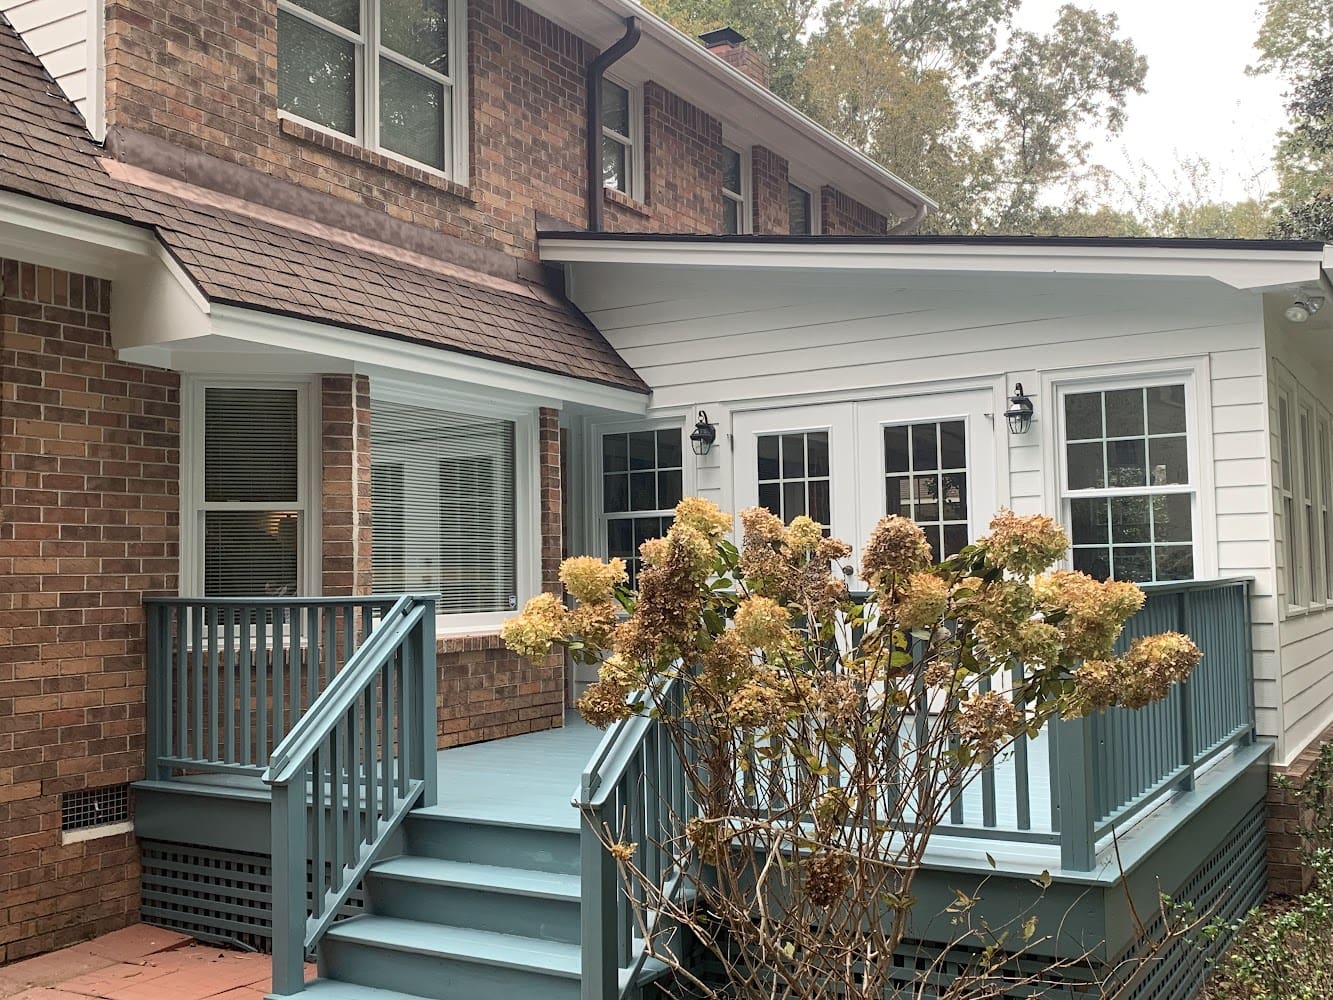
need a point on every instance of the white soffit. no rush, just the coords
(1242, 268)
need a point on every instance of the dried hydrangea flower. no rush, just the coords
(804, 535)
(703, 516)
(986, 721)
(763, 623)
(542, 622)
(923, 602)
(828, 877)
(897, 549)
(591, 580)
(604, 704)
(1025, 546)
(1093, 612)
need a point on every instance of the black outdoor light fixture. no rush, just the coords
(1019, 413)
(701, 440)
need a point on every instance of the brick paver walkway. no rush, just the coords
(138, 963)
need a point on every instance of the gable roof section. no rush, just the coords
(244, 259)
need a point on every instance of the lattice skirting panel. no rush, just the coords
(213, 895)
(1226, 886)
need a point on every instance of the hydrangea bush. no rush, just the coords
(825, 734)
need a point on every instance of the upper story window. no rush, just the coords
(622, 142)
(1129, 487)
(388, 74)
(802, 212)
(735, 192)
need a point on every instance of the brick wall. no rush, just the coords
(202, 75)
(346, 526)
(841, 215)
(1287, 875)
(485, 691)
(89, 460)
(769, 180)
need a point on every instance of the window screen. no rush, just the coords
(444, 506)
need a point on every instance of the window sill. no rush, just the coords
(624, 201)
(381, 161)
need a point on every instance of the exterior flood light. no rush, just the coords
(703, 436)
(1020, 410)
(1302, 309)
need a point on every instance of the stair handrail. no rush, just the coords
(371, 731)
(636, 757)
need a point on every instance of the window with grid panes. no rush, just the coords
(734, 189)
(793, 475)
(380, 73)
(1309, 504)
(618, 151)
(1287, 486)
(925, 468)
(1326, 502)
(642, 482)
(1128, 492)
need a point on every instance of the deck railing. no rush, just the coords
(1091, 776)
(229, 677)
(634, 788)
(346, 775)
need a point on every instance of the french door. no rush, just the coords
(927, 457)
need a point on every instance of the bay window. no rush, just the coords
(387, 74)
(1130, 489)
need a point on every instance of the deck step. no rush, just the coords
(534, 847)
(516, 901)
(329, 989)
(447, 963)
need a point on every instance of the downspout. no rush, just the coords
(596, 71)
(909, 225)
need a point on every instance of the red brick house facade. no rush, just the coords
(205, 207)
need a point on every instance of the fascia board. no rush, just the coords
(1242, 269)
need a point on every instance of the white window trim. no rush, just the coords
(368, 49)
(1194, 374)
(1307, 418)
(1293, 573)
(745, 196)
(1324, 501)
(816, 213)
(633, 142)
(595, 520)
(527, 499)
(309, 458)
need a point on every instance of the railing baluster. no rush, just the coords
(368, 763)
(405, 727)
(319, 810)
(197, 665)
(1022, 788)
(229, 685)
(182, 745)
(988, 817)
(247, 672)
(214, 682)
(158, 683)
(262, 682)
(281, 680)
(353, 722)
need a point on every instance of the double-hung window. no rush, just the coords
(1130, 489)
(1326, 504)
(622, 144)
(642, 481)
(1310, 518)
(250, 497)
(1292, 550)
(735, 192)
(385, 73)
(445, 511)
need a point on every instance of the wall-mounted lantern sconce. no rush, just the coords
(701, 440)
(1019, 413)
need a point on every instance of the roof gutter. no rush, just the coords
(596, 70)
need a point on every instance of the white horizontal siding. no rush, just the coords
(57, 33)
(727, 340)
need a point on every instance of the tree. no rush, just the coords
(822, 738)
(1305, 162)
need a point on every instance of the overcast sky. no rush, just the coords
(1199, 102)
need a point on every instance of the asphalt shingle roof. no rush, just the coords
(245, 260)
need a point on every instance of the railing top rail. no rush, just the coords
(291, 755)
(1192, 586)
(382, 600)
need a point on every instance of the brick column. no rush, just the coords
(345, 484)
(89, 496)
(1287, 875)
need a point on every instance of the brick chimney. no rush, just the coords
(728, 44)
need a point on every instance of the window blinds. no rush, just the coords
(252, 503)
(444, 509)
